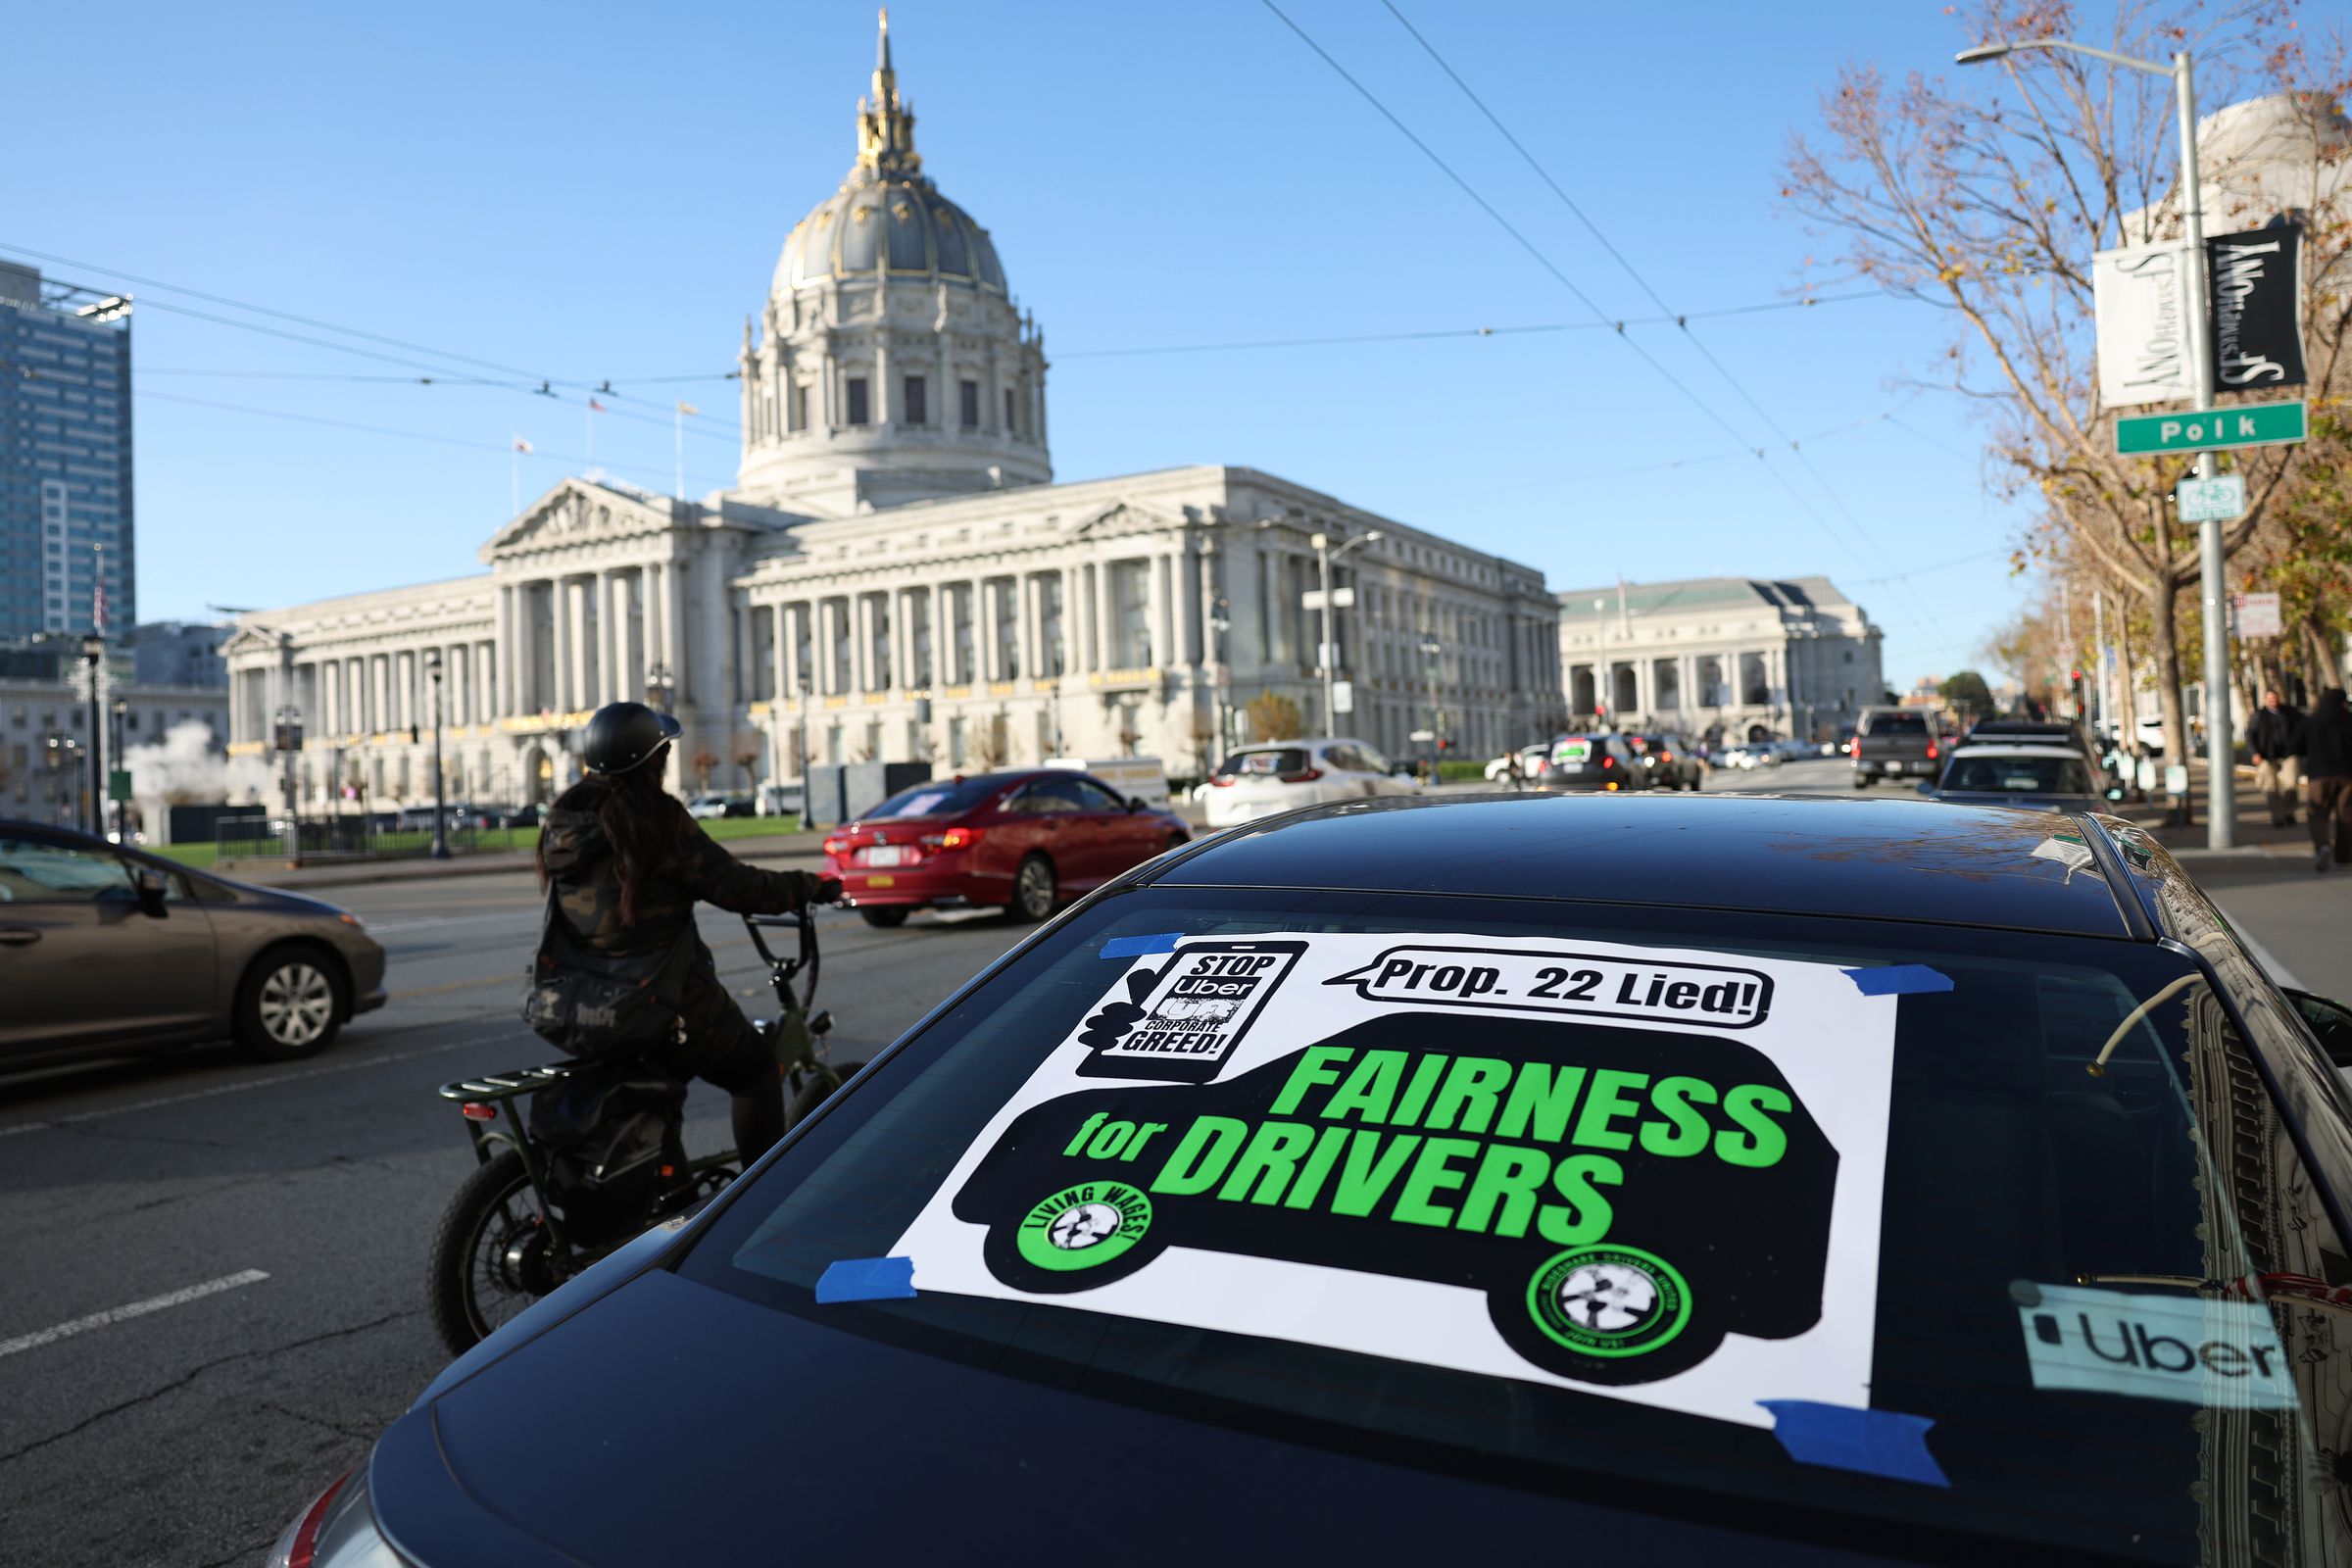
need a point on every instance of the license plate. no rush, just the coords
(881, 881)
(1569, 768)
(886, 855)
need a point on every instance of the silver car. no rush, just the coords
(105, 950)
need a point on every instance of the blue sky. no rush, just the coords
(597, 192)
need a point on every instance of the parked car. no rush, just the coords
(2058, 777)
(1526, 765)
(2030, 732)
(106, 949)
(1021, 841)
(705, 808)
(1891, 742)
(1995, 1218)
(526, 815)
(1596, 762)
(1282, 775)
(1669, 759)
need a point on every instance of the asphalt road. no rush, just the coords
(281, 1215)
(189, 1433)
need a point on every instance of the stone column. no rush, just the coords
(984, 632)
(502, 621)
(1156, 602)
(942, 637)
(1074, 594)
(673, 610)
(1107, 645)
(557, 696)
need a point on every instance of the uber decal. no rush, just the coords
(2150, 1347)
(1647, 1173)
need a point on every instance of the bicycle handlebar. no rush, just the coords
(785, 970)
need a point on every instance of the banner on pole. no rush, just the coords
(2141, 297)
(2257, 308)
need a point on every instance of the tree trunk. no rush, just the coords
(2325, 670)
(2164, 613)
(2126, 723)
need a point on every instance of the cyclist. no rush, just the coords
(627, 866)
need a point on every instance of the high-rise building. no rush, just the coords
(65, 457)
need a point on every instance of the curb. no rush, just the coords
(375, 873)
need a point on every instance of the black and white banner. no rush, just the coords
(2257, 337)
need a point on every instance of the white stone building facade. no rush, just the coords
(1722, 658)
(896, 575)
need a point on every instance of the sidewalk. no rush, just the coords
(2298, 922)
(767, 847)
(2255, 835)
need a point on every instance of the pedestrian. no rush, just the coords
(2270, 741)
(2324, 743)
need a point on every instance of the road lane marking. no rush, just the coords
(241, 1086)
(116, 1314)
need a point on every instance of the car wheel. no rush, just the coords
(885, 918)
(1861, 781)
(1034, 889)
(289, 1006)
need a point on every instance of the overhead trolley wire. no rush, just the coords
(1681, 321)
(1546, 262)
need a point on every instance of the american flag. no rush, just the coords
(595, 406)
(98, 607)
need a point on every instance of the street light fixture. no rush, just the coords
(440, 849)
(1325, 554)
(2221, 827)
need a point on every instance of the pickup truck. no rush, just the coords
(1891, 742)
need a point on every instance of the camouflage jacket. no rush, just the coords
(580, 869)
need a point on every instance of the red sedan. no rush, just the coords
(1023, 841)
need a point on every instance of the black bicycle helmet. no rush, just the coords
(623, 735)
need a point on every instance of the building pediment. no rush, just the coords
(580, 511)
(1125, 516)
(247, 641)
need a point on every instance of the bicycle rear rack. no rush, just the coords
(506, 1085)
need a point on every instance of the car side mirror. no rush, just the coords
(149, 883)
(1136, 803)
(2330, 1021)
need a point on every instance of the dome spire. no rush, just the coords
(885, 124)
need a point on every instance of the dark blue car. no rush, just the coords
(1663, 1178)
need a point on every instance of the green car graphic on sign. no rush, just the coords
(1624, 1197)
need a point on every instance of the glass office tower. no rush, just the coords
(65, 457)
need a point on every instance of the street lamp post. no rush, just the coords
(2221, 827)
(1430, 649)
(1325, 554)
(440, 849)
(114, 745)
(93, 655)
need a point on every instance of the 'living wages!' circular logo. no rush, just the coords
(1083, 1226)
(1608, 1300)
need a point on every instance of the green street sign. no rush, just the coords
(2252, 425)
(117, 784)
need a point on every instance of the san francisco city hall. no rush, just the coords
(896, 574)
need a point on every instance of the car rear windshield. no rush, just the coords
(940, 798)
(1894, 724)
(1265, 761)
(2011, 775)
(2026, 1281)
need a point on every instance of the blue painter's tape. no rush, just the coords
(1873, 1442)
(865, 1279)
(1898, 980)
(1137, 947)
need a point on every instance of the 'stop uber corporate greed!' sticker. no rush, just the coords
(1649, 1173)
